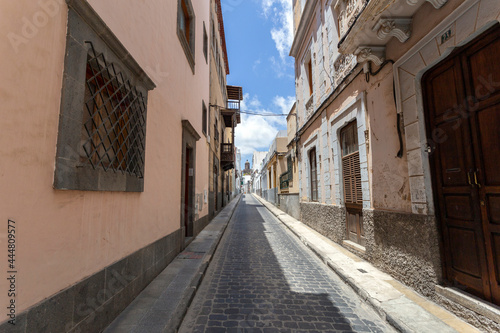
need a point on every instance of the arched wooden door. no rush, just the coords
(462, 106)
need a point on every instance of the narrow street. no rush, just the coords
(262, 279)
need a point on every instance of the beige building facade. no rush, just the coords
(379, 135)
(105, 147)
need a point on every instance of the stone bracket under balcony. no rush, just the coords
(366, 53)
(374, 22)
(388, 27)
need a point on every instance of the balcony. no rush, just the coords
(365, 26)
(227, 156)
(348, 12)
(234, 98)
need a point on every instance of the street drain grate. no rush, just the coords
(191, 255)
(362, 270)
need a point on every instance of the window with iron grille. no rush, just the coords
(102, 125)
(115, 119)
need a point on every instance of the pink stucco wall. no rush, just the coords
(65, 236)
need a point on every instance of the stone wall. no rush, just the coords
(407, 247)
(290, 204)
(328, 220)
(401, 244)
(91, 304)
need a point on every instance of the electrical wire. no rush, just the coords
(264, 114)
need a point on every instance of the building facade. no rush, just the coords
(274, 166)
(223, 117)
(289, 198)
(396, 102)
(110, 179)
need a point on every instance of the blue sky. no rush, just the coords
(258, 38)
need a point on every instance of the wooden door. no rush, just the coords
(462, 102)
(313, 174)
(351, 174)
(188, 195)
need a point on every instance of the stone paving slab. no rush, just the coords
(161, 306)
(399, 305)
(263, 279)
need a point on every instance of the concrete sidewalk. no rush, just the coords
(161, 306)
(403, 308)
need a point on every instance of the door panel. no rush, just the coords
(489, 142)
(459, 207)
(466, 162)
(451, 152)
(465, 259)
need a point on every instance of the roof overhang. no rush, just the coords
(305, 22)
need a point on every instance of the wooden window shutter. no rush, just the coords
(351, 169)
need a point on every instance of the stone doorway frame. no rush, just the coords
(468, 21)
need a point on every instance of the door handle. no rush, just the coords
(468, 178)
(475, 180)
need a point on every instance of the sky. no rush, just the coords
(259, 34)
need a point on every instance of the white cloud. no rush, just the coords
(282, 16)
(284, 103)
(257, 132)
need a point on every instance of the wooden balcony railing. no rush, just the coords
(226, 152)
(233, 105)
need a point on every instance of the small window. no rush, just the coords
(204, 118)
(313, 175)
(186, 29)
(205, 43)
(216, 130)
(309, 76)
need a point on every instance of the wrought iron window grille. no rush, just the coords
(115, 119)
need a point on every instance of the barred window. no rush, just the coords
(114, 121)
(102, 122)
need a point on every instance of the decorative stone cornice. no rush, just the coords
(393, 27)
(305, 22)
(343, 65)
(375, 54)
(436, 3)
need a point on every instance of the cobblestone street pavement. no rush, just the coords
(262, 279)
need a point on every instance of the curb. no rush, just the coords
(182, 307)
(384, 309)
